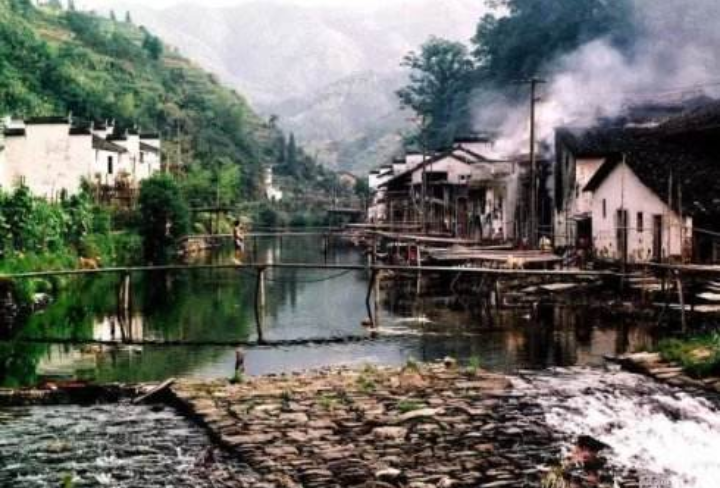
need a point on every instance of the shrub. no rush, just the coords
(163, 217)
(699, 356)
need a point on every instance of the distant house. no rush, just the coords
(109, 159)
(640, 194)
(468, 194)
(272, 193)
(53, 155)
(347, 179)
(149, 160)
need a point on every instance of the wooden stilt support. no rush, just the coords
(418, 262)
(126, 292)
(376, 301)
(326, 247)
(260, 305)
(239, 362)
(681, 297)
(124, 306)
(368, 298)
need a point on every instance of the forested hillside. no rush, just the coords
(55, 61)
(328, 71)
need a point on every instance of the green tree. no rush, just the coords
(291, 156)
(163, 217)
(526, 35)
(362, 189)
(440, 80)
(153, 45)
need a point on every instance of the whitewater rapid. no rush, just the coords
(651, 427)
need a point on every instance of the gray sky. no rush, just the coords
(98, 4)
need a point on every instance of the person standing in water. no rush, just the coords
(238, 242)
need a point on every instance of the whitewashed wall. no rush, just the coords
(623, 189)
(48, 159)
(576, 202)
(100, 173)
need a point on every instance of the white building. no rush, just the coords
(632, 223)
(47, 155)
(637, 195)
(52, 157)
(272, 193)
(468, 194)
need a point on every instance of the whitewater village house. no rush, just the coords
(470, 194)
(641, 192)
(52, 156)
(643, 187)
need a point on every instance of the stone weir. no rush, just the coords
(419, 427)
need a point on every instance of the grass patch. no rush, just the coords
(366, 384)
(237, 378)
(405, 406)
(699, 356)
(328, 402)
(473, 364)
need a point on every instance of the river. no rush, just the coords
(217, 306)
(554, 354)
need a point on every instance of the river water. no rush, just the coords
(218, 306)
(555, 354)
(108, 445)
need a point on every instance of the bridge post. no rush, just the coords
(681, 297)
(260, 304)
(368, 298)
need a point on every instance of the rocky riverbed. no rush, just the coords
(431, 426)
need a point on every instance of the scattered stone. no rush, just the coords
(391, 433)
(328, 429)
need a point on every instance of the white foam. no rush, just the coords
(648, 425)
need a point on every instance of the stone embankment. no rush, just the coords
(422, 427)
(653, 365)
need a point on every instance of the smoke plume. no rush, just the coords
(675, 55)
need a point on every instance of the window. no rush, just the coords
(640, 223)
(142, 157)
(110, 165)
(604, 204)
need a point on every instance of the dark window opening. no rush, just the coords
(640, 223)
(110, 165)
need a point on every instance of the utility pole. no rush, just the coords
(534, 221)
(423, 191)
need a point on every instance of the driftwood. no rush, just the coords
(162, 387)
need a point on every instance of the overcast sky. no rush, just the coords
(220, 3)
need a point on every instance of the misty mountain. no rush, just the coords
(329, 73)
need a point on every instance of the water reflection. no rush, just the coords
(217, 306)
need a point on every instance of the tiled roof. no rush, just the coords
(149, 148)
(657, 161)
(105, 145)
(14, 131)
(54, 120)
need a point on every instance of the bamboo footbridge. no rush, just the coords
(372, 269)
